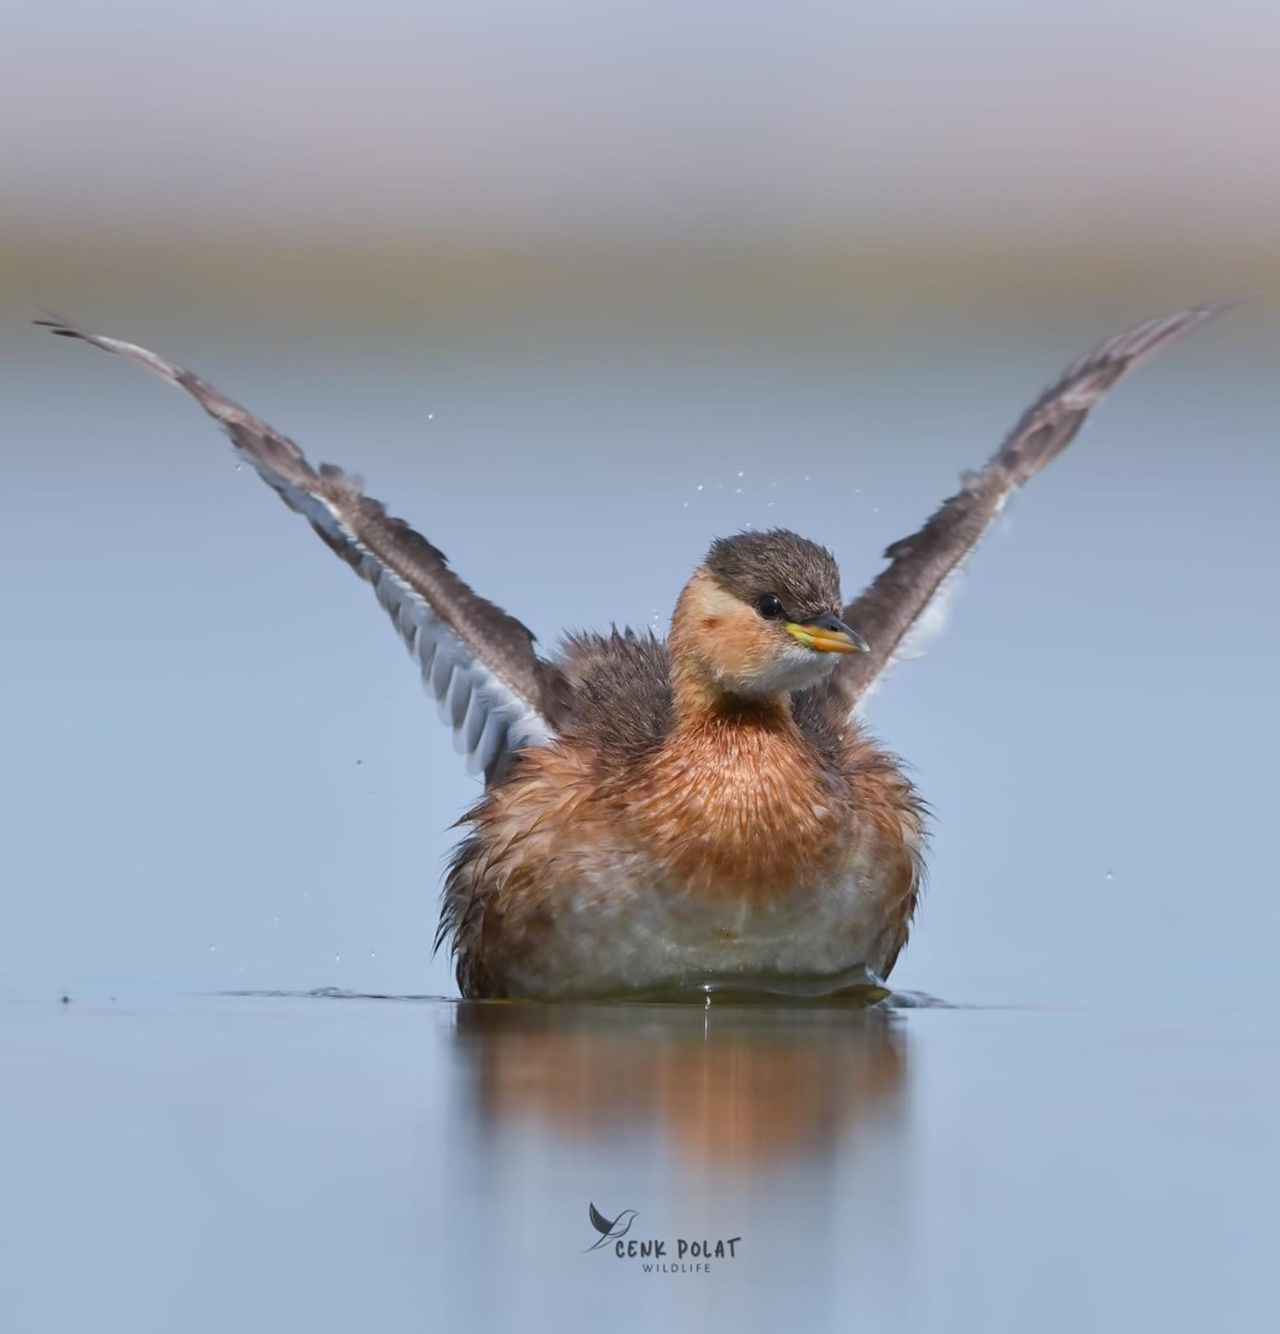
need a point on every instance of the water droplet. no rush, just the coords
(699, 486)
(431, 416)
(213, 949)
(337, 958)
(1111, 875)
(737, 490)
(741, 474)
(806, 477)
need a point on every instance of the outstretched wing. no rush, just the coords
(478, 662)
(920, 564)
(598, 1220)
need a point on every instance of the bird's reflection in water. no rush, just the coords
(722, 1085)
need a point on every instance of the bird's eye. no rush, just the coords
(770, 606)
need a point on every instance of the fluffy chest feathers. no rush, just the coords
(729, 852)
(742, 804)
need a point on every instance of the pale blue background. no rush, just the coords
(224, 773)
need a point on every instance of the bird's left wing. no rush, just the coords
(920, 565)
(478, 662)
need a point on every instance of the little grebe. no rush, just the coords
(705, 811)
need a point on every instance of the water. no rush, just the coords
(337, 1164)
(221, 775)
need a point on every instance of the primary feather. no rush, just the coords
(921, 565)
(478, 662)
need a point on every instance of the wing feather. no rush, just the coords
(478, 662)
(921, 564)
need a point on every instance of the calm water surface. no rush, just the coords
(281, 1163)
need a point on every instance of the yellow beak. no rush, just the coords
(826, 634)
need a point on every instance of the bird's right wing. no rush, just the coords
(478, 662)
(919, 565)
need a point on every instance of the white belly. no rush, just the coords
(630, 935)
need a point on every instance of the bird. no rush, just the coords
(705, 810)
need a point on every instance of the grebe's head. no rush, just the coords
(761, 617)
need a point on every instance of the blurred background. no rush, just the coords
(577, 287)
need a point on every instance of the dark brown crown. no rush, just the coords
(803, 575)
